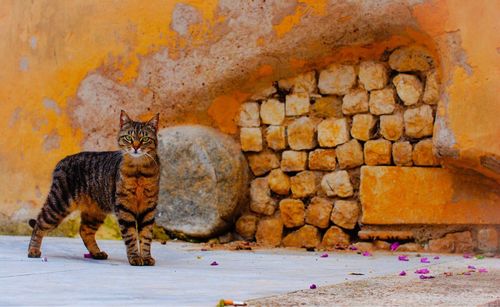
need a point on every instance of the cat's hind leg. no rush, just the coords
(92, 218)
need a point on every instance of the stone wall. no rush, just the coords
(307, 137)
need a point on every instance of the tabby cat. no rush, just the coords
(97, 183)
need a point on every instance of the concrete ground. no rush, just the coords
(183, 276)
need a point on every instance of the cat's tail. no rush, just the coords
(32, 223)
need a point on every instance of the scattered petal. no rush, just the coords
(394, 246)
(448, 274)
(402, 273)
(467, 256)
(467, 273)
(203, 249)
(436, 257)
(366, 254)
(312, 286)
(325, 255)
(483, 270)
(471, 267)
(403, 258)
(422, 271)
(87, 255)
(353, 248)
(425, 260)
(214, 263)
(426, 276)
(44, 259)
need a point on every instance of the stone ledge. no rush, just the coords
(418, 195)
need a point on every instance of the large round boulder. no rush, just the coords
(204, 181)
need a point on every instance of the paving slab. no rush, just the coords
(182, 276)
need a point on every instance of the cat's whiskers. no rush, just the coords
(149, 156)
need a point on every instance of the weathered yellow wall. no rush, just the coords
(154, 60)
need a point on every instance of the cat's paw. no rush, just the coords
(136, 261)
(100, 256)
(34, 253)
(150, 261)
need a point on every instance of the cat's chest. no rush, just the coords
(138, 185)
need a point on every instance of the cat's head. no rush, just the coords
(138, 139)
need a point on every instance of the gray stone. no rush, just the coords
(204, 181)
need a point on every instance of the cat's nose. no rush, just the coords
(136, 145)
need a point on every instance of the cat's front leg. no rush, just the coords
(128, 229)
(145, 222)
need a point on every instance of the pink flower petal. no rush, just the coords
(467, 256)
(422, 271)
(203, 249)
(87, 255)
(325, 255)
(394, 246)
(436, 257)
(312, 286)
(403, 258)
(483, 270)
(426, 276)
(467, 273)
(366, 254)
(44, 259)
(471, 267)
(353, 248)
(424, 260)
(402, 273)
(214, 263)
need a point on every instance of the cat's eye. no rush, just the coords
(145, 139)
(128, 138)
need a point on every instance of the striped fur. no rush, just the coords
(98, 183)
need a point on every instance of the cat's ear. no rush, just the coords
(153, 122)
(124, 118)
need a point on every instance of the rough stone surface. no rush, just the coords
(447, 199)
(356, 101)
(364, 246)
(423, 154)
(246, 226)
(328, 106)
(458, 242)
(251, 139)
(307, 236)
(272, 112)
(335, 237)
(431, 92)
(249, 115)
(318, 212)
(292, 212)
(262, 93)
(382, 245)
(279, 182)
(192, 200)
(391, 126)
(382, 101)
(262, 162)
(337, 184)
(269, 231)
(409, 248)
(409, 88)
(350, 154)
(345, 213)
(297, 104)
(303, 83)
(332, 132)
(337, 79)
(301, 134)
(419, 122)
(293, 161)
(275, 137)
(260, 197)
(487, 239)
(363, 126)
(322, 159)
(373, 75)
(402, 153)
(377, 152)
(410, 58)
(303, 184)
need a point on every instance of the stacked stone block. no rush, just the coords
(306, 141)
